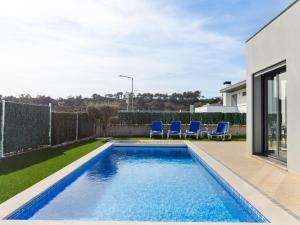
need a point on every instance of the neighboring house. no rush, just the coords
(234, 95)
(234, 99)
(273, 82)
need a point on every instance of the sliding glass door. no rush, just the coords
(282, 108)
(271, 120)
(276, 116)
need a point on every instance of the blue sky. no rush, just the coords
(73, 47)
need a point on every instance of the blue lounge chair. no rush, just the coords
(175, 129)
(222, 131)
(157, 129)
(194, 129)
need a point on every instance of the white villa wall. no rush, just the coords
(226, 97)
(218, 108)
(227, 106)
(242, 108)
(279, 41)
(241, 100)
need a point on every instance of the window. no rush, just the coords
(234, 100)
(244, 93)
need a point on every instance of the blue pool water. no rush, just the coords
(142, 184)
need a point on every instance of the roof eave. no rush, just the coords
(276, 17)
(234, 87)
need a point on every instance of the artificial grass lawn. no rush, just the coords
(22, 171)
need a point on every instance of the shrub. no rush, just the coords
(103, 115)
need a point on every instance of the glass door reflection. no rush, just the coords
(276, 116)
(271, 117)
(282, 106)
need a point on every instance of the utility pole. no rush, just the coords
(131, 89)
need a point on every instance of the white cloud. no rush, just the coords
(72, 47)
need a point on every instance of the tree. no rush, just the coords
(119, 95)
(96, 97)
(142, 101)
(103, 115)
(109, 95)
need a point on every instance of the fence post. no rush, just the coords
(50, 124)
(2, 130)
(77, 126)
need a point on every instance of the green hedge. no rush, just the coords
(85, 126)
(63, 127)
(185, 117)
(26, 127)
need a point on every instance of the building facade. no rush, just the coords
(234, 99)
(235, 95)
(273, 80)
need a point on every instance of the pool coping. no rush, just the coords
(272, 211)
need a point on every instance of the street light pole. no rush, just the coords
(131, 89)
(132, 94)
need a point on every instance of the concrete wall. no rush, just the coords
(143, 130)
(277, 42)
(214, 108)
(242, 108)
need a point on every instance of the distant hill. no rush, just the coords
(142, 101)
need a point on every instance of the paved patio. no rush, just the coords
(281, 186)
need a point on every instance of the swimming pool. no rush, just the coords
(142, 183)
